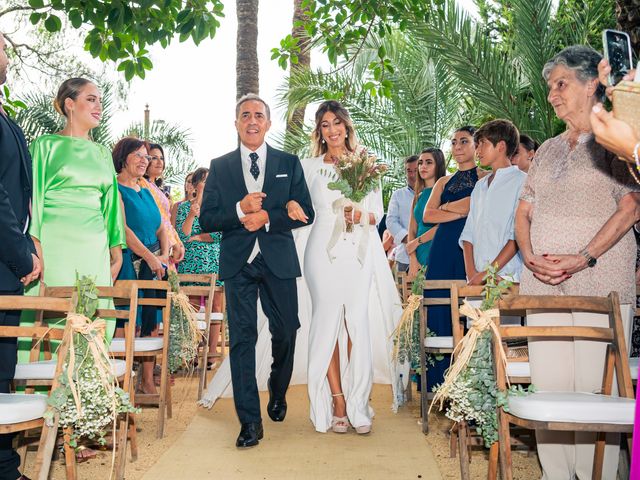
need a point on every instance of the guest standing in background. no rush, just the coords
(573, 227)
(19, 265)
(488, 237)
(448, 207)
(188, 195)
(431, 168)
(399, 214)
(524, 155)
(152, 180)
(76, 224)
(202, 250)
(147, 250)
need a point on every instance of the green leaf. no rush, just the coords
(36, 3)
(35, 17)
(75, 17)
(53, 23)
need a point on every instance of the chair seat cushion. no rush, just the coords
(215, 316)
(17, 407)
(518, 369)
(44, 370)
(633, 366)
(141, 344)
(438, 342)
(575, 407)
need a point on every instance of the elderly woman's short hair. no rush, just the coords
(123, 149)
(582, 60)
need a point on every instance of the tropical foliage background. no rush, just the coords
(449, 70)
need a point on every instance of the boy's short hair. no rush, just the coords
(499, 131)
(411, 159)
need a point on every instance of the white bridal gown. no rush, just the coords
(348, 294)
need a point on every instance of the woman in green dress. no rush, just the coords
(76, 222)
(431, 167)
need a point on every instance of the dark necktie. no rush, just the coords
(254, 169)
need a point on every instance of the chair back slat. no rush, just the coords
(207, 279)
(583, 333)
(20, 302)
(36, 332)
(553, 302)
(442, 284)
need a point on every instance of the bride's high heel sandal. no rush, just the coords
(339, 424)
(363, 429)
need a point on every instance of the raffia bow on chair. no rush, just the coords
(482, 321)
(185, 335)
(403, 334)
(93, 332)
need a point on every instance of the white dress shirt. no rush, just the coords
(253, 184)
(490, 223)
(398, 217)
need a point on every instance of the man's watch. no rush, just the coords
(591, 261)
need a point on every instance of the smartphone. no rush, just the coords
(617, 51)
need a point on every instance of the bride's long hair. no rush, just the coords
(319, 146)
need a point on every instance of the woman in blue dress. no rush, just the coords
(147, 252)
(448, 207)
(431, 168)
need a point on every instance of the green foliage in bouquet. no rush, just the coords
(99, 399)
(475, 395)
(357, 174)
(184, 336)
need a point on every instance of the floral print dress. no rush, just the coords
(199, 257)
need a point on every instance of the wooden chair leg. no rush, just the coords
(598, 457)
(492, 473)
(453, 440)
(464, 451)
(504, 438)
(22, 448)
(203, 362)
(133, 437)
(120, 439)
(162, 403)
(168, 399)
(45, 450)
(408, 391)
(69, 455)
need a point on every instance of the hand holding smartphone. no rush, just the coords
(617, 51)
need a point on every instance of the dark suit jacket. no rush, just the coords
(15, 194)
(283, 181)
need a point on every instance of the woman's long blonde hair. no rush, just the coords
(319, 146)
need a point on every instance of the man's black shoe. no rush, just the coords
(277, 407)
(250, 434)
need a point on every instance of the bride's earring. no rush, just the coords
(323, 141)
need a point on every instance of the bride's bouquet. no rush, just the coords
(356, 175)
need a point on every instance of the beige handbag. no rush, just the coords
(626, 103)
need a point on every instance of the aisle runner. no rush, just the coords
(396, 449)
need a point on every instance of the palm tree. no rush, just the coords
(247, 67)
(295, 120)
(628, 17)
(40, 118)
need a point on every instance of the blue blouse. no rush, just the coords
(422, 252)
(143, 216)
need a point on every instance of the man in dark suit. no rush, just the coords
(247, 197)
(19, 265)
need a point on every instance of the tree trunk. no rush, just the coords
(296, 120)
(628, 19)
(247, 68)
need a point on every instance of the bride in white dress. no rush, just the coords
(348, 303)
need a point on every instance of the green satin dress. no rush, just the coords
(75, 210)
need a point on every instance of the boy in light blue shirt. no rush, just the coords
(489, 235)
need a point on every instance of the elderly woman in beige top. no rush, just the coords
(573, 228)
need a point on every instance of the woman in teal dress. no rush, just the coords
(431, 167)
(201, 249)
(76, 222)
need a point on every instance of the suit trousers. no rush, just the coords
(572, 365)
(9, 459)
(279, 301)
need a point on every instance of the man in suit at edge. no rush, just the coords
(19, 265)
(246, 198)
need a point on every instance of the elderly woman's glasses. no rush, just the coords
(141, 156)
